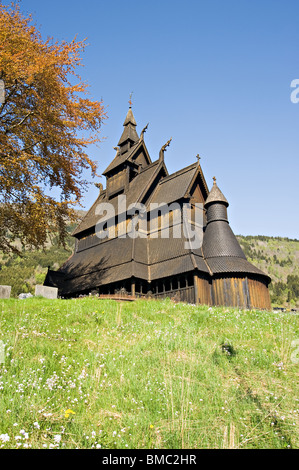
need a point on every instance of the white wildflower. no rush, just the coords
(57, 438)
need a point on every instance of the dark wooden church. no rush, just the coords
(154, 265)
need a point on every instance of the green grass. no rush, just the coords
(146, 374)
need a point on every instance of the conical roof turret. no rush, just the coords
(219, 239)
(215, 195)
(221, 249)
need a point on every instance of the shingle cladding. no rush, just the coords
(135, 189)
(105, 255)
(144, 258)
(119, 159)
(174, 187)
(219, 240)
(98, 263)
(221, 249)
(228, 264)
(171, 267)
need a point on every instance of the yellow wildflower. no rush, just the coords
(68, 412)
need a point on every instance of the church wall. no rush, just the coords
(259, 294)
(230, 291)
(204, 295)
(241, 292)
(140, 159)
(116, 183)
(196, 193)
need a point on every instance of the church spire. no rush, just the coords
(129, 136)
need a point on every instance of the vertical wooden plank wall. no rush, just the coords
(259, 294)
(240, 292)
(203, 291)
(232, 291)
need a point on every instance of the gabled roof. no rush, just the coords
(88, 220)
(119, 159)
(177, 185)
(136, 189)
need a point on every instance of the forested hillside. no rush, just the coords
(278, 257)
(30, 268)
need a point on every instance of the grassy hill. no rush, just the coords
(278, 257)
(90, 373)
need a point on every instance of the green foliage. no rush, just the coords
(279, 258)
(24, 272)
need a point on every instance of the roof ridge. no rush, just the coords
(160, 164)
(182, 255)
(101, 195)
(179, 172)
(149, 166)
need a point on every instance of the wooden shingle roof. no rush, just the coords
(174, 187)
(134, 194)
(129, 132)
(221, 249)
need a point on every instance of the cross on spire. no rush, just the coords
(214, 179)
(130, 100)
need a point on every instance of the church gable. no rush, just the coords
(174, 187)
(140, 156)
(198, 189)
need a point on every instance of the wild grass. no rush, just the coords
(90, 373)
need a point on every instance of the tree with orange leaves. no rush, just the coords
(46, 124)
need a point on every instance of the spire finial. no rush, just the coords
(198, 158)
(214, 179)
(130, 100)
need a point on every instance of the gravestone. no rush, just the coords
(5, 292)
(47, 292)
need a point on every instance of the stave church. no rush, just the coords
(158, 263)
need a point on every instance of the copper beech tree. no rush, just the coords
(47, 122)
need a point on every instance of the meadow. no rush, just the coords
(90, 373)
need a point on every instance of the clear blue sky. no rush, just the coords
(214, 75)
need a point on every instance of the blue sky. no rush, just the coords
(214, 75)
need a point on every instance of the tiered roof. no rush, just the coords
(97, 262)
